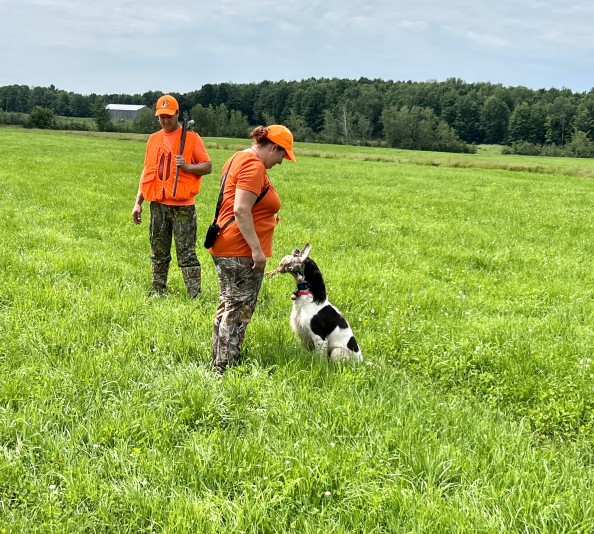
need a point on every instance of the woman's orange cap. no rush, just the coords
(283, 137)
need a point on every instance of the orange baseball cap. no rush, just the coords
(167, 105)
(283, 137)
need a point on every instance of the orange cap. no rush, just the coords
(283, 137)
(167, 105)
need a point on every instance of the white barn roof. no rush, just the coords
(125, 107)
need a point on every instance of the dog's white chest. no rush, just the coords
(304, 309)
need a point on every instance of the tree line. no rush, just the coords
(452, 115)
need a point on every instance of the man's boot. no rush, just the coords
(193, 281)
(160, 271)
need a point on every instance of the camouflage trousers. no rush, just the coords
(178, 222)
(239, 286)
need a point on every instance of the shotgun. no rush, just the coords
(182, 142)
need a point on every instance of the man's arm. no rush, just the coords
(199, 169)
(137, 210)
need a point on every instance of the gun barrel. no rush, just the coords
(182, 143)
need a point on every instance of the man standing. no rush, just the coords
(174, 163)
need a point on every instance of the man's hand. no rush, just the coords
(137, 213)
(181, 163)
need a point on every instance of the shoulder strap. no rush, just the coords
(221, 190)
(260, 197)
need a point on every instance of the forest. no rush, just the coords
(450, 116)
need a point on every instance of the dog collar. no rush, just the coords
(303, 288)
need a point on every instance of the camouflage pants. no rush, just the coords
(239, 287)
(179, 222)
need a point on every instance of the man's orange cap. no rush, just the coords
(167, 105)
(283, 137)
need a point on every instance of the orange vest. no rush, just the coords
(159, 171)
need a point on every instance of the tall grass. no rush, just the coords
(469, 289)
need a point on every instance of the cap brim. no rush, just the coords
(289, 155)
(165, 112)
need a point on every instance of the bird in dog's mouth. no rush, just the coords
(293, 263)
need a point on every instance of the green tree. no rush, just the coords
(494, 120)
(519, 124)
(361, 128)
(580, 145)
(314, 104)
(299, 127)
(238, 124)
(101, 116)
(205, 120)
(221, 120)
(559, 118)
(419, 129)
(42, 118)
(146, 122)
(584, 116)
(538, 123)
(468, 118)
(331, 130)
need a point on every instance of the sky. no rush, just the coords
(131, 47)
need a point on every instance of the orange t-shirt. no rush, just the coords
(248, 173)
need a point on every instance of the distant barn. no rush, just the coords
(124, 112)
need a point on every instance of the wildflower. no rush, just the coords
(327, 493)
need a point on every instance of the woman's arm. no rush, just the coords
(242, 209)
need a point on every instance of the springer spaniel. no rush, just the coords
(318, 323)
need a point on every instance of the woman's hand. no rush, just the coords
(259, 260)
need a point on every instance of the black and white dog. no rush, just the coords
(318, 323)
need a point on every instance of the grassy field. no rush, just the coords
(468, 281)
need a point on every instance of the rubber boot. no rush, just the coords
(160, 271)
(193, 281)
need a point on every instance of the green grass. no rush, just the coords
(466, 278)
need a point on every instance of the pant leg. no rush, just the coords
(184, 232)
(239, 288)
(160, 234)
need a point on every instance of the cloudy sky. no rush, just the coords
(128, 46)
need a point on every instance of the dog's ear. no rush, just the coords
(306, 251)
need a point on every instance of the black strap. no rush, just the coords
(260, 197)
(220, 200)
(221, 190)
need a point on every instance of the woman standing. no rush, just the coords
(241, 248)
